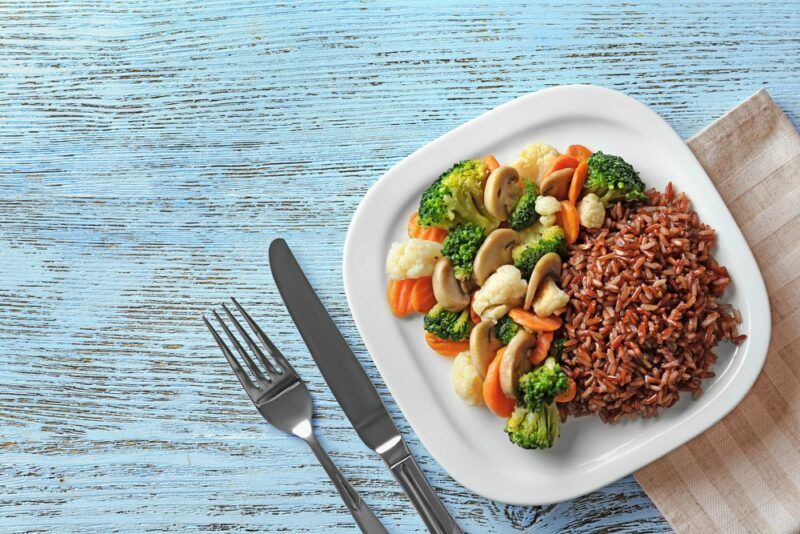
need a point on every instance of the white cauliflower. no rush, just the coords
(532, 157)
(467, 383)
(547, 205)
(547, 220)
(591, 211)
(412, 259)
(549, 298)
(503, 290)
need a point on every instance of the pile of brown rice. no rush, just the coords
(643, 315)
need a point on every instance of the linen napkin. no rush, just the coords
(743, 474)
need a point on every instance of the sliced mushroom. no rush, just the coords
(494, 253)
(502, 192)
(548, 265)
(482, 346)
(556, 184)
(446, 287)
(515, 363)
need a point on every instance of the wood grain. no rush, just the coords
(150, 151)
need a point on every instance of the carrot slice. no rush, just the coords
(579, 152)
(422, 298)
(533, 322)
(539, 352)
(578, 179)
(493, 395)
(414, 229)
(446, 347)
(562, 162)
(568, 219)
(433, 233)
(490, 162)
(398, 293)
(569, 394)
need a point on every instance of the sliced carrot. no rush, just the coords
(433, 233)
(446, 347)
(493, 395)
(422, 298)
(562, 162)
(490, 162)
(414, 229)
(578, 179)
(569, 394)
(539, 352)
(579, 152)
(568, 219)
(533, 322)
(398, 293)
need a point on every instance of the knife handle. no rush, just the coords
(430, 508)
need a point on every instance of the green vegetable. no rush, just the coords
(613, 179)
(461, 245)
(505, 329)
(456, 197)
(556, 348)
(534, 429)
(529, 253)
(524, 214)
(540, 386)
(448, 325)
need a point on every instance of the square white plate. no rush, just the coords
(470, 442)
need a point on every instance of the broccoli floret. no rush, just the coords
(524, 214)
(528, 254)
(612, 179)
(534, 429)
(556, 348)
(505, 329)
(457, 197)
(448, 325)
(540, 386)
(461, 245)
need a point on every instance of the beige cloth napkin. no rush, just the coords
(743, 475)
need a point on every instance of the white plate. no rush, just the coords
(469, 442)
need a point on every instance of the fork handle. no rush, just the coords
(361, 512)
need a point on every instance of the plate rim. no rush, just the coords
(756, 297)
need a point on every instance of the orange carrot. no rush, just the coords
(433, 233)
(491, 162)
(579, 152)
(568, 219)
(446, 347)
(562, 162)
(539, 352)
(422, 299)
(533, 322)
(569, 394)
(414, 229)
(398, 293)
(493, 395)
(578, 179)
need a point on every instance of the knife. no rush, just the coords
(352, 387)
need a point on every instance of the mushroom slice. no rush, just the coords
(548, 265)
(494, 252)
(482, 346)
(515, 363)
(446, 287)
(556, 184)
(502, 192)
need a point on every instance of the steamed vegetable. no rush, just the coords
(551, 239)
(444, 324)
(456, 197)
(524, 214)
(461, 245)
(534, 429)
(540, 386)
(505, 329)
(613, 179)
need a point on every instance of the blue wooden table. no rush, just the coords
(149, 151)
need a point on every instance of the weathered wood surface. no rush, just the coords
(149, 152)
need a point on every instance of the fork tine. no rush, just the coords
(239, 348)
(273, 350)
(237, 368)
(249, 340)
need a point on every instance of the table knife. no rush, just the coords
(352, 387)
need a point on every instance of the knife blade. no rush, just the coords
(352, 388)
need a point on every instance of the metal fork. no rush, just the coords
(282, 398)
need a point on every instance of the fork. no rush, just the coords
(282, 398)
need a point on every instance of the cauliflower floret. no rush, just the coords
(547, 205)
(413, 258)
(503, 290)
(549, 298)
(533, 157)
(547, 220)
(467, 383)
(591, 211)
